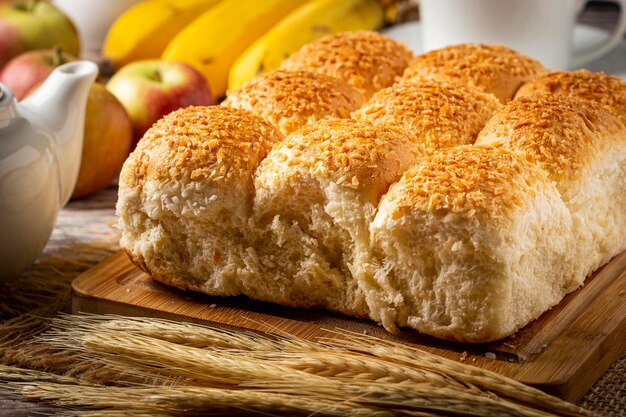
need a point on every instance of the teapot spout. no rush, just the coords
(58, 109)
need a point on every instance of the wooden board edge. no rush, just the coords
(572, 384)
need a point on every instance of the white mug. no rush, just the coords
(541, 29)
(92, 19)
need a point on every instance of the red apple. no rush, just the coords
(27, 70)
(150, 89)
(26, 25)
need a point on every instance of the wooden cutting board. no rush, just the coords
(563, 352)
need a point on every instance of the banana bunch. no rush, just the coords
(309, 22)
(232, 41)
(213, 42)
(144, 30)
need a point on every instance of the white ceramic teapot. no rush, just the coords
(41, 140)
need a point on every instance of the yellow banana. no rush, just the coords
(307, 23)
(213, 41)
(144, 30)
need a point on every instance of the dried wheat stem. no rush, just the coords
(356, 367)
(16, 374)
(110, 413)
(234, 368)
(305, 355)
(190, 400)
(172, 359)
(187, 334)
(411, 357)
(408, 396)
(360, 372)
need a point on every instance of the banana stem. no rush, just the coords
(57, 56)
(32, 5)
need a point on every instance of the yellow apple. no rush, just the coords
(108, 137)
(33, 24)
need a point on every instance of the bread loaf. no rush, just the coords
(474, 240)
(435, 114)
(395, 214)
(185, 194)
(582, 147)
(292, 99)
(494, 68)
(607, 90)
(365, 60)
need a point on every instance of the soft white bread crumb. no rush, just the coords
(186, 195)
(475, 241)
(582, 148)
(321, 186)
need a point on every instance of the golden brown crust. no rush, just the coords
(436, 114)
(561, 133)
(201, 143)
(356, 154)
(605, 89)
(494, 68)
(366, 60)
(291, 99)
(473, 181)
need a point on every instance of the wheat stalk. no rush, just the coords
(189, 400)
(187, 334)
(351, 367)
(111, 413)
(357, 373)
(219, 367)
(207, 364)
(234, 368)
(408, 356)
(15, 374)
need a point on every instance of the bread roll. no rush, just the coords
(582, 147)
(366, 60)
(435, 114)
(186, 193)
(291, 99)
(605, 89)
(475, 240)
(494, 68)
(316, 193)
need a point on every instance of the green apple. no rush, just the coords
(150, 89)
(26, 70)
(34, 24)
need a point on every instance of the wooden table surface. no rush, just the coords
(90, 219)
